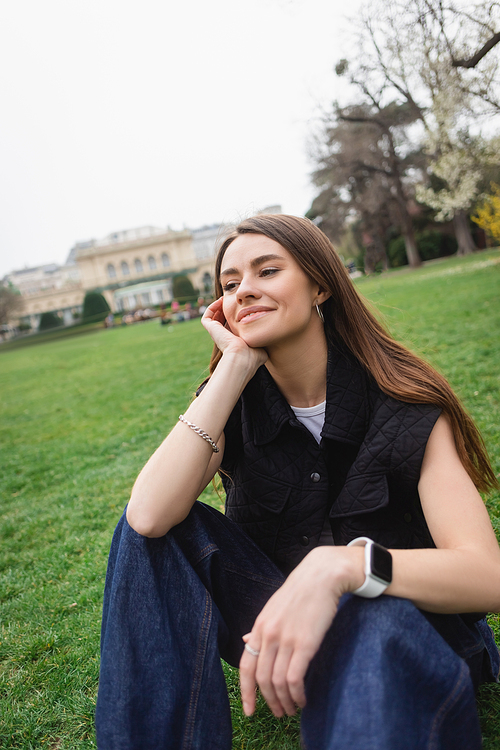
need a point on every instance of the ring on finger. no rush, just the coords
(251, 650)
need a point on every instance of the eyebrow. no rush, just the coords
(254, 263)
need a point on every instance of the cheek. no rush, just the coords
(227, 309)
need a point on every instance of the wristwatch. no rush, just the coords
(378, 567)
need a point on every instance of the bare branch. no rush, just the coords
(473, 61)
(473, 18)
(373, 120)
(402, 90)
(369, 168)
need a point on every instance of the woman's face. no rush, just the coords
(267, 297)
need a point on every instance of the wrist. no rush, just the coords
(377, 568)
(243, 359)
(344, 567)
(356, 558)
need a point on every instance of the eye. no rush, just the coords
(269, 271)
(230, 286)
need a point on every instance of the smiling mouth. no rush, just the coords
(250, 316)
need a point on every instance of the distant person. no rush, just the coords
(201, 306)
(353, 567)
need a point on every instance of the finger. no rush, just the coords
(248, 666)
(214, 312)
(217, 302)
(264, 679)
(214, 306)
(296, 673)
(280, 680)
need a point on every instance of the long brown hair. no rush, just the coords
(397, 370)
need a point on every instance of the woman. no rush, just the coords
(329, 437)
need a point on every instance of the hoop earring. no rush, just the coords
(320, 313)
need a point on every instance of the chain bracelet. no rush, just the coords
(200, 432)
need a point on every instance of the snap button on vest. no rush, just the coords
(304, 540)
(315, 476)
(407, 517)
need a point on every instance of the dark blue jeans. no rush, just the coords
(387, 675)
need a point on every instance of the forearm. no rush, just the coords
(448, 580)
(176, 473)
(437, 580)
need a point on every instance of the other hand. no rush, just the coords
(291, 627)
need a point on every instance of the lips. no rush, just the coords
(248, 314)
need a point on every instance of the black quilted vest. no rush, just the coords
(280, 484)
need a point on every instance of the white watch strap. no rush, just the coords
(372, 586)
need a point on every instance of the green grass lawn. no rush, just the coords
(78, 419)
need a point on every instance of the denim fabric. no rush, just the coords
(384, 678)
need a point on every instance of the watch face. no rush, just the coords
(381, 563)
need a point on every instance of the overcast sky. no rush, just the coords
(123, 113)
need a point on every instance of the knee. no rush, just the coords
(387, 614)
(387, 631)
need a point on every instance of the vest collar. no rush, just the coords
(347, 401)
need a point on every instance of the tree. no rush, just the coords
(95, 306)
(49, 320)
(11, 303)
(459, 168)
(488, 213)
(364, 159)
(183, 288)
(410, 52)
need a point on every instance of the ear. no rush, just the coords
(322, 296)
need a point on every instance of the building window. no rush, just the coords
(207, 282)
(111, 271)
(165, 260)
(138, 265)
(125, 268)
(151, 263)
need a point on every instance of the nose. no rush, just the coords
(247, 288)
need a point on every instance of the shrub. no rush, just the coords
(488, 213)
(95, 306)
(49, 320)
(183, 290)
(396, 253)
(431, 244)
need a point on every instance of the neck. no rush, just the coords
(300, 372)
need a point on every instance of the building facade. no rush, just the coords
(49, 288)
(133, 269)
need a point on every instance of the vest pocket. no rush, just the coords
(362, 493)
(258, 491)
